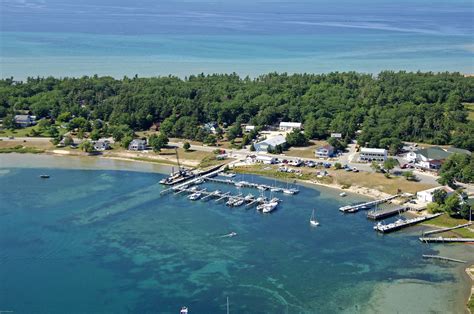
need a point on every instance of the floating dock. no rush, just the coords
(385, 213)
(400, 224)
(446, 240)
(351, 208)
(443, 258)
(202, 175)
(446, 229)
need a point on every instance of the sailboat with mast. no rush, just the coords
(312, 221)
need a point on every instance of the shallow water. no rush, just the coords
(106, 241)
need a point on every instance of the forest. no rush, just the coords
(378, 110)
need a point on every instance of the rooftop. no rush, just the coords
(274, 141)
(436, 153)
(290, 124)
(373, 150)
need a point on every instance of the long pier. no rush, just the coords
(446, 229)
(446, 240)
(400, 224)
(350, 208)
(385, 213)
(443, 258)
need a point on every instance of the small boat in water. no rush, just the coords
(199, 181)
(238, 203)
(195, 196)
(343, 194)
(184, 310)
(262, 188)
(269, 207)
(44, 176)
(249, 197)
(313, 221)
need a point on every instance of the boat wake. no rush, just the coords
(229, 235)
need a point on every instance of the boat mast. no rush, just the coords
(228, 305)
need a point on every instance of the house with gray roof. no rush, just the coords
(433, 157)
(24, 120)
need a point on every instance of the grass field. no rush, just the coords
(378, 181)
(305, 152)
(43, 145)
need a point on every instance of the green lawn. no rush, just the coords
(26, 132)
(446, 221)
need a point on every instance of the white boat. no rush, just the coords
(184, 310)
(313, 221)
(343, 194)
(241, 184)
(269, 207)
(238, 203)
(227, 174)
(288, 191)
(199, 181)
(274, 189)
(231, 202)
(262, 188)
(195, 196)
(249, 197)
(260, 207)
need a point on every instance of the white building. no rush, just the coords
(290, 126)
(270, 142)
(249, 128)
(137, 145)
(426, 196)
(373, 154)
(336, 135)
(267, 160)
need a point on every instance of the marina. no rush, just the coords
(402, 223)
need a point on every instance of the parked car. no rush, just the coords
(355, 169)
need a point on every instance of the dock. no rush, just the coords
(352, 208)
(443, 258)
(202, 175)
(400, 224)
(385, 213)
(446, 229)
(245, 184)
(446, 240)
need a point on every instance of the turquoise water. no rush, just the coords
(91, 241)
(149, 38)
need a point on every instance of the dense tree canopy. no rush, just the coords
(423, 107)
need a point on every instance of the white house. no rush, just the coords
(336, 135)
(249, 128)
(426, 196)
(324, 151)
(137, 145)
(270, 142)
(290, 126)
(372, 154)
(268, 160)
